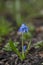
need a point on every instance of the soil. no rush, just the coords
(34, 57)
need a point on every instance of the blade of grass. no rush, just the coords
(38, 44)
(28, 48)
(15, 49)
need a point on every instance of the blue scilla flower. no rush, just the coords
(23, 28)
(24, 47)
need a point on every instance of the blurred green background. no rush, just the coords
(22, 9)
(15, 12)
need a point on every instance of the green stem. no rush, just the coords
(22, 47)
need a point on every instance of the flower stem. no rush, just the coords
(22, 47)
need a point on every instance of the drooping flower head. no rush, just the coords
(23, 28)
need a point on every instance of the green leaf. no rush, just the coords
(38, 44)
(28, 48)
(13, 47)
(8, 48)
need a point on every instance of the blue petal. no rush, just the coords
(24, 47)
(23, 28)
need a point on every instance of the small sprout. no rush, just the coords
(13, 46)
(24, 51)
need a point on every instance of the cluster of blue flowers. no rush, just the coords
(23, 28)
